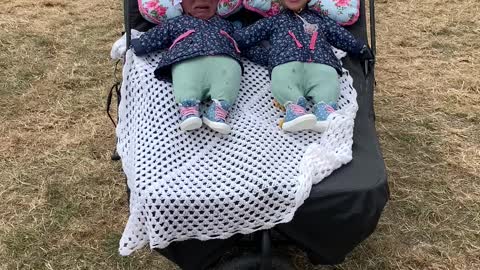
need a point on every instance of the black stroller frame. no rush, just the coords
(342, 210)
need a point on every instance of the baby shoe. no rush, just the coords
(322, 111)
(296, 117)
(190, 115)
(216, 116)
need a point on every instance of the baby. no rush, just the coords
(301, 61)
(201, 59)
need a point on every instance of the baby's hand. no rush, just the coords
(119, 48)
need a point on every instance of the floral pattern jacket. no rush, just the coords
(291, 42)
(187, 37)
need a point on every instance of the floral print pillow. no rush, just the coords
(228, 7)
(156, 11)
(345, 12)
(266, 8)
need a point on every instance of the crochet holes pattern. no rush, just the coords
(204, 185)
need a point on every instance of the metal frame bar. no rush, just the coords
(126, 18)
(369, 65)
(373, 42)
(266, 251)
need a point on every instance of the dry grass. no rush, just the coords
(63, 200)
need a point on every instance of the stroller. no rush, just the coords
(349, 201)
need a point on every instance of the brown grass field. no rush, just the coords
(63, 201)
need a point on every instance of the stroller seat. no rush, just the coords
(204, 185)
(337, 213)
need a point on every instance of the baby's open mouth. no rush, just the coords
(202, 7)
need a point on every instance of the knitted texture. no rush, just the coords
(204, 185)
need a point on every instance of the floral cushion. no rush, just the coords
(228, 7)
(156, 11)
(345, 12)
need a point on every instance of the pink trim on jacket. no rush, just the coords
(231, 39)
(299, 45)
(181, 37)
(313, 40)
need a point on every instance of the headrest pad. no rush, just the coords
(345, 12)
(156, 11)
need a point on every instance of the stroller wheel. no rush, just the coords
(252, 262)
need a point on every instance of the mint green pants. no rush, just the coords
(206, 77)
(298, 79)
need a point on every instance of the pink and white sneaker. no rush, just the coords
(217, 116)
(190, 115)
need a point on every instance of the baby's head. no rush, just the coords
(203, 9)
(294, 5)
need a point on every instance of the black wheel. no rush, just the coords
(252, 262)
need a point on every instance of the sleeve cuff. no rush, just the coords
(137, 47)
(357, 50)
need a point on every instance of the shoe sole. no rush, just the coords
(191, 124)
(304, 122)
(218, 127)
(321, 126)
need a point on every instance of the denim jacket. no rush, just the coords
(187, 37)
(290, 42)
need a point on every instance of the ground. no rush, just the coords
(64, 203)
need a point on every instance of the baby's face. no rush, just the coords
(203, 9)
(295, 5)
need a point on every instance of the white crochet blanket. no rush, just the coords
(204, 185)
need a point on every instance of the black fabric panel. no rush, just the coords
(359, 29)
(196, 254)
